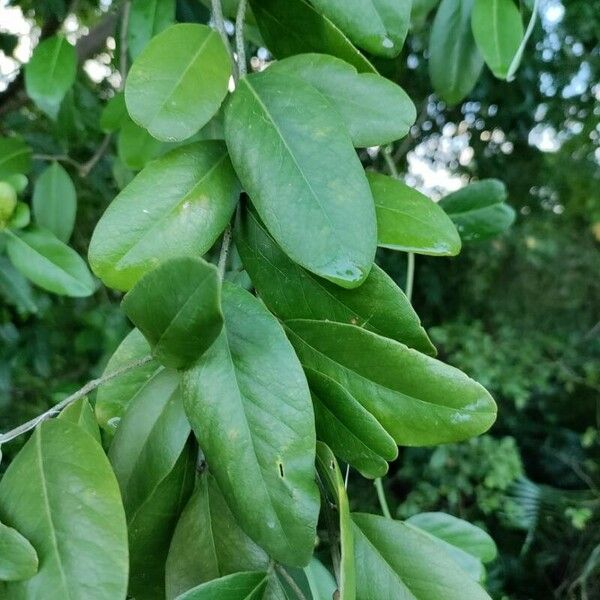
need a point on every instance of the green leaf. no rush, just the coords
(50, 73)
(330, 473)
(479, 210)
(294, 158)
(467, 544)
(250, 409)
(409, 221)
(189, 81)
(18, 558)
(177, 206)
(15, 289)
(396, 561)
(55, 202)
(113, 397)
(15, 157)
(419, 400)
(291, 292)
(177, 307)
(135, 146)
(146, 19)
(353, 433)
(21, 217)
(49, 263)
(374, 109)
(114, 114)
(239, 586)
(153, 468)
(81, 413)
(498, 31)
(208, 542)
(378, 26)
(320, 580)
(454, 60)
(292, 27)
(61, 494)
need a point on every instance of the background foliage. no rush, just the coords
(519, 313)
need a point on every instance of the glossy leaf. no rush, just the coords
(275, 128)
(239, 586)
(459, 533)
(50, 73)
(49, 263)
(55, 202)
(177, 206)
(292, 27)
(352, 432)
(113, 397)
(60, 493)
(18, 558)
(498, 31)
(467, 544)
(396, 561)
(250, 409)
(291, 292)
(189, 81)
(15, 289)
(379, 26)
(15, 157)
(409, 221)
(177, 307)
(146, 19)
(153, 468)
(374, 109)
(419, 400)
(208, 542)
(332, 478)
(454, 60)
(81, 413)
(479, 210)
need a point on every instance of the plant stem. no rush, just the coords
(389, 161)
(516, 61)
(219, 22)
(290, 581)
(239, 38)
(410, 275)
(385, 509)
(85, 169)
(223, 255)
(123, 43)
(80, 393)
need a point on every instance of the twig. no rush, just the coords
(123, 43)
(410, 275)
(290, 581)
(80, 393)
(223, 255)
(84, 170)
(59, 158)
(239, 38)
(385, 509)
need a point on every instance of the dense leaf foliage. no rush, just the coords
(242, 214)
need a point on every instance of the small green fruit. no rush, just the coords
(8, 201)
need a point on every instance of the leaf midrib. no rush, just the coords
(333, 229)
(374, 383)
(48, 510)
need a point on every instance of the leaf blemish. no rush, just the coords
(281, 473)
